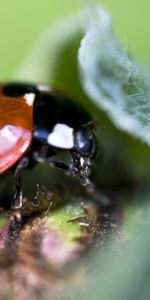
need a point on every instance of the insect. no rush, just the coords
(37, 123)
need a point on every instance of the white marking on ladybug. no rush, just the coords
(62, 136)
(29, 98)
(43, 88)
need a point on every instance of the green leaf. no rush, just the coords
(111, 79)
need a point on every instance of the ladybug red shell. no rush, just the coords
(16, 127)
(36, 123)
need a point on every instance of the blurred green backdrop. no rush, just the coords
(22, 21)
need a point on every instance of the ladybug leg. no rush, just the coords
(52, 162)
(75, 169)
(18, 197)
(58, 164)
(71, 169)
(43, 157)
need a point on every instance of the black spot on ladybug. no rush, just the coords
(19, 89)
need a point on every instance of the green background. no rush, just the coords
(22, 21)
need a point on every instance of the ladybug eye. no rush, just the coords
(18, 89)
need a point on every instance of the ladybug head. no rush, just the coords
(85, 150)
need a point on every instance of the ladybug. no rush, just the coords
(36, 124)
